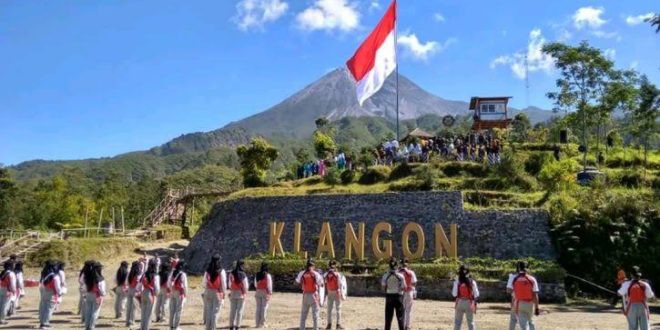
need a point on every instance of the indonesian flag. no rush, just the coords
(375, 60)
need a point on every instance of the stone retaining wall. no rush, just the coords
(436, 289)
(239, 228)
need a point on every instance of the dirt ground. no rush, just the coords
(358, 313)
(284, 310)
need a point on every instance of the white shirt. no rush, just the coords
(393, 290)
(269, 283)
(101, 288)
(317, 276)
(62, 277)
(12, 282)
(182, 278)
(623, 290)
(244, 282)
(535, 284)
(56, 282)
(223, 280)
(475, 289)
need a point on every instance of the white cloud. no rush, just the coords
(374, 5)
(329, 15)
(422, 51)
(255, 13)
(639, 19)
(536, 59)
(589, 17)
(634, 65)
(564, 35)
(606, 35)
(438, 17)
(610, 53)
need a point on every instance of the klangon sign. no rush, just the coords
(354, 243)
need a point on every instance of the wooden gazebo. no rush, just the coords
(490, 112)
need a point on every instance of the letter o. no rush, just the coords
(415, 228)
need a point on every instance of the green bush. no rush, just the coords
(536, 161)
(347, 177)
(75, 251)
(453, 169)
(605, 230)
(375, 174)
(401, 171)
(332, 177)
(558, 175)
(632, 179)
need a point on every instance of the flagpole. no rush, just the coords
(396, 23)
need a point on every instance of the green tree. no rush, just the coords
(324, 144)
(619, 93)
(321, 122)
(521, 126)
(644, 115)
(8, 191)
(255, 159)
(584, 75)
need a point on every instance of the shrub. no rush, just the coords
(558, 175)
(452, 169)
(332, 177)
(632, 179)
(75, 251)
(347, 177)
(375, 174)
(536, 162)
(401, 171)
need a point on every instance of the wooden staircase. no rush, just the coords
(27, 244)
(169, 208)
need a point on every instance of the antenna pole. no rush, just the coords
(396, 57)
(526, 81)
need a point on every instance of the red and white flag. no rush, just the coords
(375, 60)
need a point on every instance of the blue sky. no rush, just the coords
(95, 78)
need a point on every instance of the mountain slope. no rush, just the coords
(333, 97)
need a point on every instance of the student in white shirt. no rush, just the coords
(636, 294)
(239, 286)
(7, 290)
(466, 293)
(394, 285)
(215, 285)
(178, 286)
(526, 291)
(263, 283)
(95, 290)
(310, 281)
(50, 290)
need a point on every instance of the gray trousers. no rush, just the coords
(130, 306)
(212, 305)
(262, 307)
(334, 301)
(309, 301)
(147, 307)
(46, 306)
(513, 320)
(236, 309)
(638, 318)
(81, 303)
(5, 303)
(525, 315)
(407, 306)
(464, 307)
(120, 302)
(176, 306)
(91, 310)
(162, 302)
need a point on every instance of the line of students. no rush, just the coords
(216, 283)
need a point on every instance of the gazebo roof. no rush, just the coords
(419, 133)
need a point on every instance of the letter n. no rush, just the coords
(442, 243)
(354, 243)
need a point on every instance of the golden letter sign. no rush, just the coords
(381, 247)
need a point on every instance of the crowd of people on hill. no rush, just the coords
(160, 289)
(476, 147)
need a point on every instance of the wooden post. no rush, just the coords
(98, 229)
(114, 224)
(86, 215)
(192, 216)
(123, 229)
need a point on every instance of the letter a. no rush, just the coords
(325, 242)
(275, 244)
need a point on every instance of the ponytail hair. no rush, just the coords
(464, 276)
(213, 269)
(122, 273)
(238, 272)
(135, 271)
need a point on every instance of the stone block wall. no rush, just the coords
(239, 228)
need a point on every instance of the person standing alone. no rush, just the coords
(635, 295)
(310, 281)
(394, 285)
(526, 292)
(465, 292)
